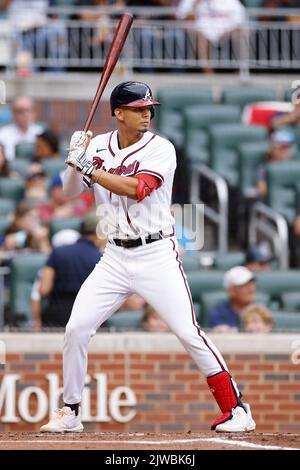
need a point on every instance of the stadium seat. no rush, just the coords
(19, 165)
(169, 116)
(126, 320)
(53, 166)
(286, 321)
(60, 224)
(279, 282)
(253, 3)
(282, 180)
(244, 95)
(204, 281)
(291, 301)
(228, 260)
(250, 155)
(25, 150)
(7, 206)
(12, 189)
(190, 263)
(196, 123)
(224, 142)
(24, 268)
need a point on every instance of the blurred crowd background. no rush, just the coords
(235, 126)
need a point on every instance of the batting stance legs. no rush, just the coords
(153, 271)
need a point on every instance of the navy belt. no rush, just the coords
(134, 242)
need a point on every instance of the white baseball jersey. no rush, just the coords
(123, 216)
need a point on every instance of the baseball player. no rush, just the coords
(131, 170)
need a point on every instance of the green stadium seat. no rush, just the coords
(126, 320)
(291, 301)
(7, 206)
(286, 321)
(279, 282)
(190, 263)
(60, 224)
(53, 166)
(169, 116)
(19, 165)
(12, 189)
(204, 281)
(196, 123)
(253, 3)
(210, 300)
(24, 268)
(25, 150)
(282, 180)
(225, 140)
(250, 155)
(228, 260)
(244, 95)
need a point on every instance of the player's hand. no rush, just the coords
(80, 140)
(78, 160)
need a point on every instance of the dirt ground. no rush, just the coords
(148, 441)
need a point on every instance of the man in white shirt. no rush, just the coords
(23, 129)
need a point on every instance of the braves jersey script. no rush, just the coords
(123, 216)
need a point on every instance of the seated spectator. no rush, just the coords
(153, 322)
(5, 171)
(59, 206)
(62, 238)
(258, 258)
(257, 318)
(239, 283)
(66, 270)
(133, 302)
(46, 146)
(280, 150)
(23, 129)
(35, 184)
(286, 119)
(26, 231)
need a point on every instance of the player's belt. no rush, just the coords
(134, 242)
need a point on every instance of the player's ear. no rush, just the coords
(119, 114)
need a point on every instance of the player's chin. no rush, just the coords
(144, 127)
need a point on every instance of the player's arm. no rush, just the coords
(120, 185)
(47, 281)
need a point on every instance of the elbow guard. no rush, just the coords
(146, 184)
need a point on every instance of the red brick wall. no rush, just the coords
(171, 394)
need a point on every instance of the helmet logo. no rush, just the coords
(147, 95)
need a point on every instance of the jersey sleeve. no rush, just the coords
(159, 161)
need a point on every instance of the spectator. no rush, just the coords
(258, 258)
(23, 129)
(35, 183)
(239, 283)
(61, 238)
(26, 231)
(286, 119)
(134, 302)
(153, 322)
(280, 150)
(257, 318)
(58, 206)
(46, 146)
(66, 270)
(5, 171)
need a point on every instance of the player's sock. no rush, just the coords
(74, 408)
(225, 391)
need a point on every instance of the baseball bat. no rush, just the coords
(115, 50)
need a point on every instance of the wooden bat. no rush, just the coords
(115, 50)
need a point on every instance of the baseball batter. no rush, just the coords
(131, 172)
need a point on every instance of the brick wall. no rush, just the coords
(171, 394)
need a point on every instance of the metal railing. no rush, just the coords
(3, 272)
(218, 216)
(273, 227)
(155, 43)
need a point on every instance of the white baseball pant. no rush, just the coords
(152, 271)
